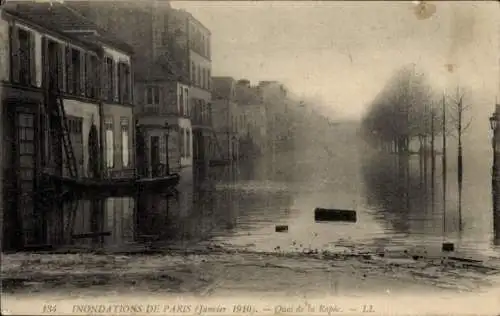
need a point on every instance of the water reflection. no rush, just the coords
(420, 203)
(395, 197)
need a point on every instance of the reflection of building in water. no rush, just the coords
(153, 211)
(496, 229)
(119, 220)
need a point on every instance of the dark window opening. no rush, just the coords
(110, 67)
(77, 71)
(124, 82)
(55, 65)
(25, 60)
(153, 95)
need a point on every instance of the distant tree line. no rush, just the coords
(406, 108)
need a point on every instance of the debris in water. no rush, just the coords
(323, 214)
(448, 246)
(281, 228)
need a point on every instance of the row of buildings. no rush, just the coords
(137, 99)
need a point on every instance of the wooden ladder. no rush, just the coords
(57, 108)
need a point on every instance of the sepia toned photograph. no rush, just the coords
(249, 157)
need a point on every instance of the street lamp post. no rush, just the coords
(494, 126)
(494, 120)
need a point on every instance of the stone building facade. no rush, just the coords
(51, 46)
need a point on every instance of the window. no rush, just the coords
(163, 150)
(23, 60)
(198, 77)
(202, 77)
(152, 95)
(55, 63)
(92, 76)
(209, 79)
(109, 77)
(76, 68)
(26, 134)
(193, 73)
(188, 143)
(181, 142)
(90, 72)
(185, 145)
(164, 38)
(206, 78)
(110, 153)
(128, 84)
(124, 122)
(202, 44)
(181, 102)
(208, 47)
(123, 82)
(209, 110)
(186, 102)
(75, 125)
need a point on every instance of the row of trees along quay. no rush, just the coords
(409, 109)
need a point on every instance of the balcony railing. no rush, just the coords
(156, 110)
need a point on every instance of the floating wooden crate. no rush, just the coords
(281, 228)
(448, 246)
(334, 215)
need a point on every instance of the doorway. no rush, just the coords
(155, 155)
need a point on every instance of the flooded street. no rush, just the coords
(219, 239)
(187, 157)
(241, 205)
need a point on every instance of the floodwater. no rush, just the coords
(398, 204)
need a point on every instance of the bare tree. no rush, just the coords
(459, 124)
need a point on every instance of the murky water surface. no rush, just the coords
(400, 202)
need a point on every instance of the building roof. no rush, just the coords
(248, 95)
(59, 17)
(189, 16)
(222, 87)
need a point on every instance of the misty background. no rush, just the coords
(337, 56)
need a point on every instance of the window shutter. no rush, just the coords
(105, 80)
(89, 75)
(32, 61)
(45, 62)
(62, 67)
(114, 79)
(96, 75)
(83, 74)
(120, 82)
(14, 54)
(69, 70)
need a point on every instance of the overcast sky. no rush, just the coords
(343, 52)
